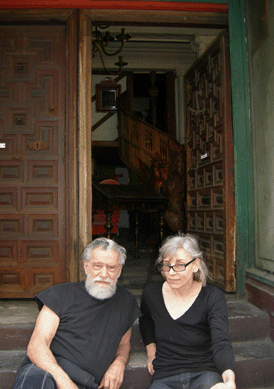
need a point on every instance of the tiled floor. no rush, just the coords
(139, 268)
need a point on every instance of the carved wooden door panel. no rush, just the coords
(32, 176)
(210, 163)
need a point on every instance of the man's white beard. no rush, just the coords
(99, 292)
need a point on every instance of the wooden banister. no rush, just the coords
(140, 141)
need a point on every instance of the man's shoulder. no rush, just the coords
(154, 287)
(122, 292)
(64, 286)
(124, 301)
(60, 291)
(126, 298)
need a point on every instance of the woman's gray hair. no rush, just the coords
(190, 244)
(104, 244)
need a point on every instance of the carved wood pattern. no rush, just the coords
(32, 186)
(210, 166)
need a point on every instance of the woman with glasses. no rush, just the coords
(184, 324)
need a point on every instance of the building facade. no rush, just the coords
(251, 63)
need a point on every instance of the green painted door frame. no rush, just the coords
(244, 195)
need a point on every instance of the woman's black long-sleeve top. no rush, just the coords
(197, 341)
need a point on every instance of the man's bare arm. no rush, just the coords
(114, 375)
(39, 347)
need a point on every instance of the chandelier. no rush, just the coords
(100, 42)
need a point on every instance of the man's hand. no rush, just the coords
(66, 384)
(114, 375)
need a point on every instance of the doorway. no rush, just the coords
(214, 238)
(232, 15)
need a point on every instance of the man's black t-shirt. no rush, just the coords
(90, 330)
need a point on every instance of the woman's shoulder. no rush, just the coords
(214, 289)
(212, 294)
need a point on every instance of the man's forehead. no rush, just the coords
(107, 255)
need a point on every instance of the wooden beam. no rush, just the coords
(8, 16)
(118, 4)
(84, 133)
(160, 17)
(71, 160)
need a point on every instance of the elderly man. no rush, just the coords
(82, 335)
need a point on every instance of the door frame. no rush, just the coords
(130, 10)
(243, 163)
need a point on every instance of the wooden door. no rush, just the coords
(32, 157)
(210, 164)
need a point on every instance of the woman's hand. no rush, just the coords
(151, 351)
(223, 385)
(150, 365)
(229, 381)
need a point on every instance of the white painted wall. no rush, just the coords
(176, 54)
(145, 59)
(261, 62)
(108, 130)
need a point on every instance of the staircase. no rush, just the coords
(249, 330)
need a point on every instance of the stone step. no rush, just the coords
(249, 331)
(17, 320)
(247, 322)
(259, 355)
(254, 363)
(9, 362)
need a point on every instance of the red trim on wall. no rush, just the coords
(118, 4)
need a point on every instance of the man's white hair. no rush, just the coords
(104, 244)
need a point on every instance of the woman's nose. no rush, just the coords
(171, 270)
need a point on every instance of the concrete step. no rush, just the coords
(17, 320)
(254, 363)
(249, 331)
(9, 362)
(247, 322)
(258, 355)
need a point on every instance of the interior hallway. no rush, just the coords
(139, 268)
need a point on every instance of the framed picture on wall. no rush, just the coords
(106, 95)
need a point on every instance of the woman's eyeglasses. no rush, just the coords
(178, 267)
